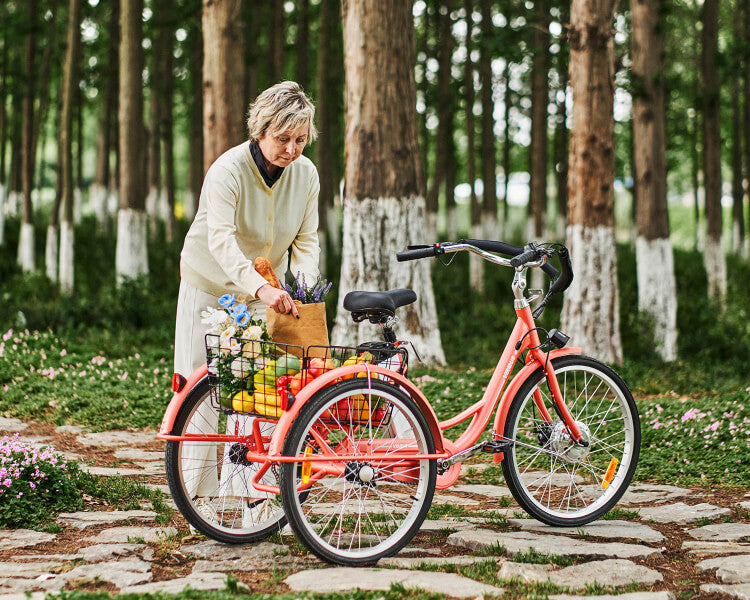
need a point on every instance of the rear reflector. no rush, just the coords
(178, 382)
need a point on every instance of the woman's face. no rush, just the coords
(282, 148)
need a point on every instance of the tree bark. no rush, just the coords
(539, 102)
(508, 104)
(476, 264)
(131, 257)
(714, 255)
(195, 175)
(591, 306)
(166, 46)
(488, 122)
(746, 115)
(224, 106)
(26, 240)
(738, 218)
(302, 45)
(657, 291)
(277, 40)
(68, 95)
(561, 159)
(156, 111)
(384, 207)
(107, 120)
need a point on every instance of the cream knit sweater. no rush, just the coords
(240, 218)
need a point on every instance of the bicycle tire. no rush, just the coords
(216, 512)
(374, 502)
(554, 480)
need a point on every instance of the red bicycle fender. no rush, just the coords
(285, 422)
(174, 405)
(518, 381)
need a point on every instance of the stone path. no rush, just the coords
(669, 542)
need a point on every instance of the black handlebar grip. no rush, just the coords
(566, 273)
(524, 257)
(416, 253)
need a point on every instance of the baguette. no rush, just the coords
(263, 266)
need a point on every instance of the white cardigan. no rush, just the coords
(240, 218)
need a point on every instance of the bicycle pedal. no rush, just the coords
(495, 447)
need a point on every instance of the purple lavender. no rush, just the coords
(299, 289)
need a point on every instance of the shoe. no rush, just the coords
(205, 508)
(256, 512)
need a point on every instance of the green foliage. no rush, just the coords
(36, 483)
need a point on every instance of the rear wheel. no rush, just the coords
(358, 510)
(551, 477)
(211, 481)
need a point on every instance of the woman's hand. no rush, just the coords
(278, 300)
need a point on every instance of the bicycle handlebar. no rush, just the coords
(415, 252)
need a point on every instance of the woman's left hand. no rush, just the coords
(279, 300)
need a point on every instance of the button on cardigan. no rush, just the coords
(240, 218)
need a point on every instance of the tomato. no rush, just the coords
(297, 382)
(318, 366)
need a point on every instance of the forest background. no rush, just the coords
(111, 111)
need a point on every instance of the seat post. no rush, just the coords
(389, 335)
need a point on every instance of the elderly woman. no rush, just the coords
(258, 199)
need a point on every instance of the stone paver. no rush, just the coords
(32, 558)
(598, 529)
(729, 569)
(103, 552)
(609, 573)
(519, 541)
(212, 550)
(631, 596)
(84, 519)
(682, 513)
(26, 570)
(111, 471)
(125, 534)
(454, 500)
(411, 563)
(441, 524)
(12, 425)
(74, 429)
(137, 454)
(741, 591)
(490, 491)
(715, 547)
(646, 493)
(745, 505)
(197, 581)
(23, 538)
(721, 532)
(108, 439)
(122, 573)
(345, 579)
(24, 596)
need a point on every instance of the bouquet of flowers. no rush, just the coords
(299, 290)
(234, 346)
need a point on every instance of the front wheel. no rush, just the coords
(211, 481)
(555, 480)
(361, 505)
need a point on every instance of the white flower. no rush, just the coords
(225, 339)
(254, 332)
(234, 346)
(241, 367)
(213, 366)
(213, 318)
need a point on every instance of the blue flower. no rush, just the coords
(242, 319)
(238, 309)
(226, 300)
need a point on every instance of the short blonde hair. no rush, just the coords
(281, 107)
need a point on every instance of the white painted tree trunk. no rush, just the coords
(492, 230)
(429, 235)
(50, 252)
(2, 214)
(590, 312)
(98, 202)
(152, 210)
(657, 292)
(15, 201)
(26, 247)
(374, 230)
(716, 269)
(476, 263)
(451, 226)
(131, 254)
(560, 228)
(77, 205)
(736, 240)
(323, 258)
(113, 201)
(332, 223)
(67, 262)
(190, 205)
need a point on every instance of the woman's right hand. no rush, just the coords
(279, 300)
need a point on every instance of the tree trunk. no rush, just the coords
(384, 208)
(746, 115)
(65, 143)
(195, 175)
(156, 111)
(476, 264)
(131, 256)
(224, 106)
(591, 307)
(504, 230)
(657, 291)
(715, 263)
(15, 194)
(78, 185)
(302, 45)
(488, 123)
(738, 218)
(166, 46)
(26, 240)
(277, 40)
(561, 159)
(539, 102)
(695, 178)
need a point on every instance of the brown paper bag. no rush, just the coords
(309, 330)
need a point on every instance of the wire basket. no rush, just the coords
(245, 374)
